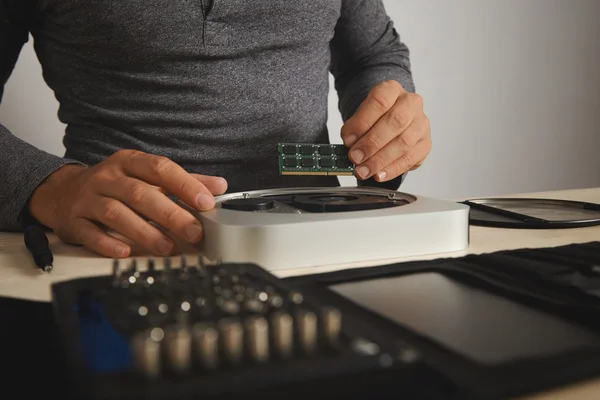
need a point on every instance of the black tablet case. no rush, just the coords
(564, 281)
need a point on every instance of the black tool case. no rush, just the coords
(551, 293)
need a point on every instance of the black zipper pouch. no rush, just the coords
(488, 326)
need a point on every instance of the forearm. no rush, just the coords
(355, 91)
(367, 50)
(22, 169)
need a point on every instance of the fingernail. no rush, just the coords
(382, 175)
(357, 156)
(205, 201)
(363, 171)
(350, 140)
(193, 232)
(121, 251)
(164, 246)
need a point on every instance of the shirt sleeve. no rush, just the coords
(366, 50)
(22, 166)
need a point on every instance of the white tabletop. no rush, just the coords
(19, 278)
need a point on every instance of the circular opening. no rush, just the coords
(329, 199)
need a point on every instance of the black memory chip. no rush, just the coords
(289, 149)
(325, 151)
(290, 162)
(326, 162)
(307, 150)
(343, 163)
(307, 162)
(341, 150)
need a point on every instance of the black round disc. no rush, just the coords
(249, 204)
(340, 203)
(536, 213)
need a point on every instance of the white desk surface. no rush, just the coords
(19, 278)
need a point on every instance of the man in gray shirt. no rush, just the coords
(190, 98)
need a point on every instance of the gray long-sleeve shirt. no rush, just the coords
(213, 85)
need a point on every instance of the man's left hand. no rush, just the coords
(389, 134)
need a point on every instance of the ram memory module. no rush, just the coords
(314, 159)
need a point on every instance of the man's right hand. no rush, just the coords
(82, 203)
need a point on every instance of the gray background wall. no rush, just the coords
(512, 88)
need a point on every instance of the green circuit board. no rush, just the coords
(314, 159)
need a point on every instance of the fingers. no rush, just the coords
(398, 145)
(388, 128)
(162, 172)
(128, 194)
(379, 101)
(408, 161)
(86, 233)
(150, 202)
(118, 217)
(389, 134)
(215, 185)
